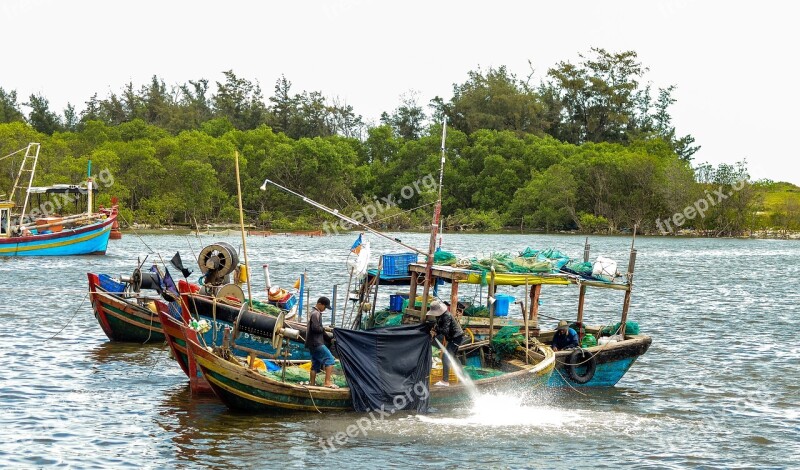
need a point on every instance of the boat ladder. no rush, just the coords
(28, 167)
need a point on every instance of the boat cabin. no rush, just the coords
(532, 282)
(5, 218)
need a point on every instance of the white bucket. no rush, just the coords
(604, 268)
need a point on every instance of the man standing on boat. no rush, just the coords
(446, 328)
(564, 337)
(321, 357)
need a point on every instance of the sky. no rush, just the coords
(734, 63)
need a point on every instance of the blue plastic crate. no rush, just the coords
(396, 302)
(397, 264)
(501, 304)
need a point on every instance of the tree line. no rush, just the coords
(588, 147)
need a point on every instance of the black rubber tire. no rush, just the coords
(578, 358)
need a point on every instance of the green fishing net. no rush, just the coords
(387, 318)
(506, 341)
(264, 307)
(631, 328)
(476, 311)
(444, 258)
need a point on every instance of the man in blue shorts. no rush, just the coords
(321, 357)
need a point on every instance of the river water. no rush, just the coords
(719, 387)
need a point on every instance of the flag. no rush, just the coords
(297, 283)
(356, 248)
(159, 284)
(171, 290)
(176, 261)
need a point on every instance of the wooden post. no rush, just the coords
(525, 316)
(454, 300)
(333, 304)
(534, 312)
(412, 293)
(491, 300)
(377, 285)
(627, 303)
(582, 294)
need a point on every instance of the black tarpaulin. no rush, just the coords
(387, 368)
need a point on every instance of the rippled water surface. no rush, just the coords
(718, 388)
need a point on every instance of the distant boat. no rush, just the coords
(82, 234)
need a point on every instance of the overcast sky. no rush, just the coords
(734, 63)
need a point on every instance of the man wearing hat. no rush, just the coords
(447, 328)
(564, 337)
(321, 357)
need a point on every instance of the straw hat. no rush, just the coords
(437, 308)
(562, 325)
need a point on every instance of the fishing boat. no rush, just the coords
(243, 387)
(176, 332)
(601, 365)
(23, 235)
(123, 311)
(207, 310)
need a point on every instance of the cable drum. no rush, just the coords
(217, 261)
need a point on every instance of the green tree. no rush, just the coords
(408, 119)
(40, 117)
(596, 96)
(239, 100)
(494, 100)
(9, 109)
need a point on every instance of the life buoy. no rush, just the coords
(581, 357)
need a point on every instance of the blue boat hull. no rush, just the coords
(89, 240)
(612, 361)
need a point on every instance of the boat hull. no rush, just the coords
(89, 240)
(123, 319)
(176, 332)
(612, 361)
(246, 390)
(219, 317)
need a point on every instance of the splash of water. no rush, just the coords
(463, 377)
(507, 410)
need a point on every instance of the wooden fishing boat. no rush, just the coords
(127, 317)
(218, 314)
(243, 388)
(602, 365)
(82, 234)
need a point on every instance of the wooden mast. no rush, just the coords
(627, 303)
(582, 294)
(241, 228)
(434, 230)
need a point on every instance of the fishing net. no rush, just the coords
(631, 328)
(581, 268)
(506, 341)
(264, 307)
(300, 374)
(477, 373)
(476, 311)
(444, 258)
(387, 318)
